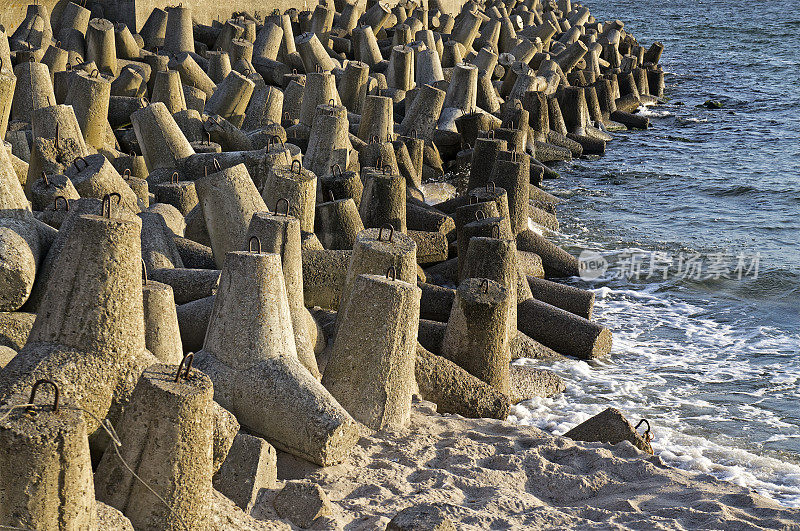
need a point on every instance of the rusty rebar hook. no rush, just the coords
(187, 360)
(56, 393)
(81, 159)
(491, 187)
(647, 436)
(278, 204)
(216, 165)
(299, 167)
(391, 231)
(46, 180)
(336, 170)
(479, 214)
(55, 203)
(174, 179)
(391, 273)
(485, 285)
(250, 244)
(496, 231)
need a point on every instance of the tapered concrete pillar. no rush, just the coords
(384, 200)
(228, 199)
(20, 256)
(88, 349)
(329, 141)
(192, 74)
(477, 331)
(401, 68)
(154, 30)
(371, 368)
(462, 91)
(179, 36)
(177, 464)
(512, 173)
(337, 184)
(250, 355)
(161, 140)
(231, 97)
(101, 46)
(484, 156)
(320, 89)
(377, 119)
(45, 467)
(169, 90)
(353, 86)
(33, 91)
(338, 223)
(280, 234)
(8, 83)
(162, 334)
(428, 68)
(376, 250)
(95, 177)
(265, 108)
(313, 54)
(89, 96)
(422, 117)
(294, 189)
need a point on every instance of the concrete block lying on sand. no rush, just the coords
(251, 465)
(377, 329)
(611, 427)
(530, 382)
(454, 390)
(303, 503)
(426, 516)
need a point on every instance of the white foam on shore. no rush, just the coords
(695, 379)
(650, 112)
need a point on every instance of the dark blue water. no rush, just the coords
(714, 363)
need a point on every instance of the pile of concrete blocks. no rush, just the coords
(215, 243)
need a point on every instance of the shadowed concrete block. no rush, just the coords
(611, 427)
(302, 503)
(371, 368)
(176, 463)
(45, 467)
(230, 98)
(337, 223)
(161, 333)
(33, 91)
(557, 262)
(251, 465)
(250, 355)
(20, 255)
(296, 185)
(454, 390)
(15, 328)
(376, 250)
(324, 276)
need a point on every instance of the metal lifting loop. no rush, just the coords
(332, 102)
(106, 204)
(278, 204)
(391, 231)
(187, 360)
(496, 231)
(485, 285)
(386, 169)
(330, 194)
(336, 170)
(174, 178)
(56, 392)
(46, 180)
(299, 167)
(647, 435)
(126, 174)
(66, 203)
(144, 272)
(95, 73)
(81, 159)
(491, 187)
(391, 273)
(473, 199)
(250, 244)
(479, 215)
(490, 134)
(217, 167)
(374, 139)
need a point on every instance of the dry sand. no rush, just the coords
(488, 474)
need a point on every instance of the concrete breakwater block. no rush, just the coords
(611, 427)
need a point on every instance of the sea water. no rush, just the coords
(712, 362)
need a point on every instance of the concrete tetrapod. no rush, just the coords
(250, 355)
(375, 251)
(337, 223)
(228, 199)
(89, 96)
(280, 234)
(383, 200)
(161, 140)
(166, 434)
(477, 331)
(45, 467)
(90, 338)
(371, 366)
(296, 188)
